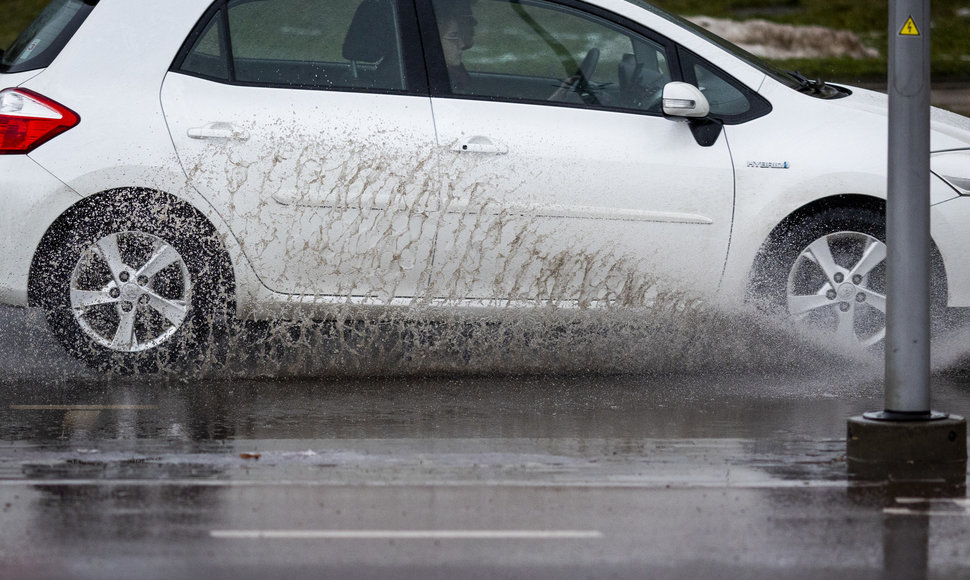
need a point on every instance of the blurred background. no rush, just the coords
(836, 40)
(830, 20)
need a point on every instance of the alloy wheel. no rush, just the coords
(130, 291)
(837, 284)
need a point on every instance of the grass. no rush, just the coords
(17, 14)
(867, 18)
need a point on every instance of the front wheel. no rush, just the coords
(130, 288)
(837, 284)
(828, 272)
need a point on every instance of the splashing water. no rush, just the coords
(340, 220)
(670, 337)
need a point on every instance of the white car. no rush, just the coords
(165, 164)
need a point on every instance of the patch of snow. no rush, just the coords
(772, 40)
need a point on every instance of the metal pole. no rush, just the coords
(907, 439)
(907, 388)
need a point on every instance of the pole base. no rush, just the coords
(905, 416)
(886, 448)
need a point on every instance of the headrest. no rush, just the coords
(372, 34)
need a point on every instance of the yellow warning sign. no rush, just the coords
(909, 29)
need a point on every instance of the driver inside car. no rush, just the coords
(456, 29)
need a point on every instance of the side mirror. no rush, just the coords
(684, 100)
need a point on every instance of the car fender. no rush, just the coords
(159, 181)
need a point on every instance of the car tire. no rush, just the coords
(827, 271)
(133, 283)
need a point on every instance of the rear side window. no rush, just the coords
(40, 43)
(353, 44)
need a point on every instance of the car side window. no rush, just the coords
(724, 98)
(302, 43)
(730, 101)
(208, 57)
(545, 52)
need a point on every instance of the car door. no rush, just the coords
(307, 125)
(566, 182)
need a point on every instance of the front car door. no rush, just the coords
(307, 125)
(566, 182)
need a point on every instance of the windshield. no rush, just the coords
(43, 39)
(788, 78)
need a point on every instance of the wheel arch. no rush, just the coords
(843, 201)
(148, 200)
(846, 202)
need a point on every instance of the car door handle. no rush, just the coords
(480, 144)
(218, 131)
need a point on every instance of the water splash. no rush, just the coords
(356, 229)
(671, 337)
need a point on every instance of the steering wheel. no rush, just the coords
(580, 78)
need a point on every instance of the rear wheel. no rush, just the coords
(131, 287)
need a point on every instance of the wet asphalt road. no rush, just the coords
(456, 476)
(720, 475)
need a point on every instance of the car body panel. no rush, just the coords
(17, 79)
(330, 192)
(130, 118)
(949, 223)
(576, 204)
(119, 112)
(26, 189)
(821, 151)
(113, 74)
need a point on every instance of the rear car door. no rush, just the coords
(307, 124)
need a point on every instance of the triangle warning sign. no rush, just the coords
(909, 29)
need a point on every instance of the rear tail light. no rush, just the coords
(28, 120)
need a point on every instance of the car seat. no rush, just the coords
(372, 46)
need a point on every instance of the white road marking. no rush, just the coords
(948, 507)
(958, 501)
(912, 512)
(407, 534)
